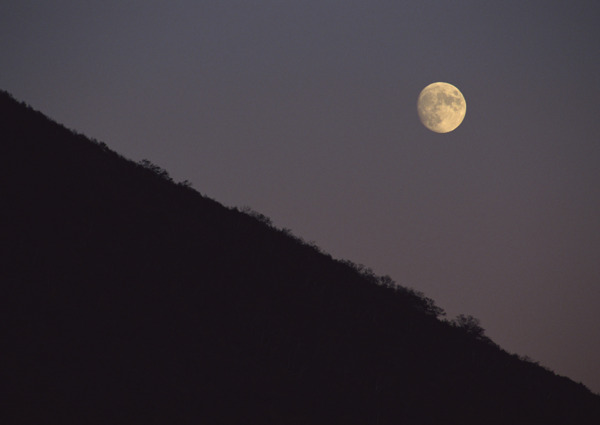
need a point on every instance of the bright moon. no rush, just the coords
(441, 107)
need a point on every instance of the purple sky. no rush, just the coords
(306, 111)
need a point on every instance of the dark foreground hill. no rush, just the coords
(129, 299)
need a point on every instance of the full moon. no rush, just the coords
(441, 107)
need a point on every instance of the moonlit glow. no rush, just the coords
(441, 107)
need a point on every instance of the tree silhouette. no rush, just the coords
(470, 325)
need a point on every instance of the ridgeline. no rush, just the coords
(128, 298)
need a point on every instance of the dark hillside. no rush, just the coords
(130, 299)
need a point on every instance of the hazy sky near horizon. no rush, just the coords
(306, 112)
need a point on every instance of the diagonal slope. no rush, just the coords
(127, 298)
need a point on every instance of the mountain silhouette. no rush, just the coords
(128, 298)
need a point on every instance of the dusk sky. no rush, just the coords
(306, 111)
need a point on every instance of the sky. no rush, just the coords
(306, 112)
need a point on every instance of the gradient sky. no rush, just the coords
(305, 111)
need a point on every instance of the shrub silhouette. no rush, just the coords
(469, 324)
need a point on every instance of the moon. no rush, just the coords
(441, 107)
